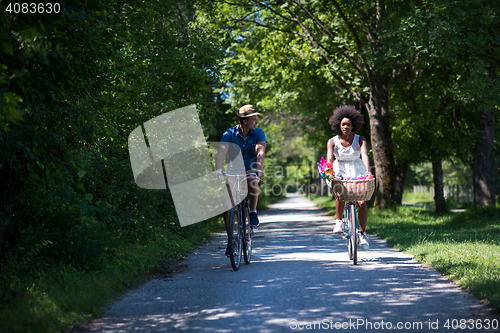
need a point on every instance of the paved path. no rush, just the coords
(299, 275)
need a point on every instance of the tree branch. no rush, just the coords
(322, 26)
(323, 52)
(329, 61)
(342, 50)
(366, 24)
(266, 26)
(355, 34)
(348, 24)
(273, 11)
(394, 73)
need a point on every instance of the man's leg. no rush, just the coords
(226, 221)
(253, 193)
(227, 203)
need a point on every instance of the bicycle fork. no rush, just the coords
(346, 230)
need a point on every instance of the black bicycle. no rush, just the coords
(240, 231)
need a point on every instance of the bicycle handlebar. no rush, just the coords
(224, 173)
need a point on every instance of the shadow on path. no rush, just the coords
(299, 274)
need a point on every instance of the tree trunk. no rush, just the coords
(383, 154)
(399, 182)
(482, 172)
(437, 171)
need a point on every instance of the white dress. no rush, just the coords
(347, 159)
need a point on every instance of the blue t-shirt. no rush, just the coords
(247, 146)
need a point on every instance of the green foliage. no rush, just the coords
(73, 85)
(437, 96)
(61, 297)
(284, 77)
(418, 198)
(455, 172)
(277, 58)
(82, 80)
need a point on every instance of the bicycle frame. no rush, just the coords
(236, 187)
(242, 240)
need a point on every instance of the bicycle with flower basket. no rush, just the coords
(350, 190)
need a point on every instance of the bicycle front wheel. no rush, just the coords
(354, 235)
(347, 227)
(235, 237)
(248, 232)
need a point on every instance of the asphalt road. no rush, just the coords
(300, 279)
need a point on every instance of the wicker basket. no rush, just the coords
(353, 190)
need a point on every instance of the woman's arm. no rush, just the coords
(364, 154)
(329, 150)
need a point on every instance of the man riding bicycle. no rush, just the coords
(252, 143)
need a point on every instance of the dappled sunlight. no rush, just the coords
(295, 218)
(303, 256)
(300, 272)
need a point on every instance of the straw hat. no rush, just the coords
(247, 111)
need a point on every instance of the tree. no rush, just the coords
(87, 77)
(429, 125)
(461, 38)
(354, 42)
(280, 75)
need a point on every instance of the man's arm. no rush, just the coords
(261, 152)
(219, 159)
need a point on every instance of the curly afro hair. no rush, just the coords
(347, 111)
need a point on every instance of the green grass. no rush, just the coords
(59, 298)
(414, 198)
(463, 246)
(428, 200)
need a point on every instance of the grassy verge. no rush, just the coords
(427, 200)
(463, 246)
(59, 298)
(415, 198)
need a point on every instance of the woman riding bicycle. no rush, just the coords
(347, 148)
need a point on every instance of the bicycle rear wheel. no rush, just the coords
(354, 235)
(248, 232)
(235, 238)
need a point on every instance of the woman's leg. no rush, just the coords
(339, 209)
(362, 215)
